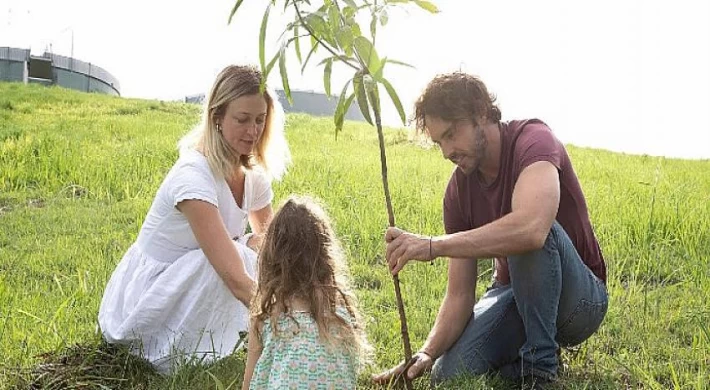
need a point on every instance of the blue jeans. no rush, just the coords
(553, 300)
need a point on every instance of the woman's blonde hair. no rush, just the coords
(302, 259)
(271, 151)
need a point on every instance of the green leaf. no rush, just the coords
(378, 76)
(354, 33)
(317, 24)
(427, 5)
(262, 39)
(367, 54)
(297, 44)
(284, 74)
(326, 76)
(308, 57)
(339, 116)
(373, 27)
(355, 28)
(346, 107)
(320, 28)
(326, 59)
(336, 58)
(361, 96)
(351, 3)
(349, 12)
(333, 19)
(217, 383)
(395, 99)
(289, 27)
(234, 10)
(373, 94)
(383, 17)
(271, 65)
(391, 61)
(344, 36)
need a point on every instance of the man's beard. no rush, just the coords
(479, 147)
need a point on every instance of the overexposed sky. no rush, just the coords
(630, 76)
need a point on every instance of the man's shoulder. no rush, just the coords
(530, 141)
(520, 126)
(522, 134)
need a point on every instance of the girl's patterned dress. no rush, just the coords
(296, 358)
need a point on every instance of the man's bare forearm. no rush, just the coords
(454, 313)
(510, 235)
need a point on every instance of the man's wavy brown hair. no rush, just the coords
(456, 96)
(302, 259)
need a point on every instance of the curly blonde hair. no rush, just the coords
(301, 259)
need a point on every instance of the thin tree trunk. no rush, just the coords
(395, 278)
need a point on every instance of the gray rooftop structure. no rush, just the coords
(19, 65)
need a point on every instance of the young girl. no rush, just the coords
(305, 329)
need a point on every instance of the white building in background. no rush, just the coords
(19, 65)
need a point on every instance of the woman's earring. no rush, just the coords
(219, 128)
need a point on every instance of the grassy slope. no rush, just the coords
(78, 172)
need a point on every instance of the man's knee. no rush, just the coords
(529, 264)
(451, 365)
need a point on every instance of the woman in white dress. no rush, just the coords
(182, 290)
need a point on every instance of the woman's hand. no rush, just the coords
(255, 241)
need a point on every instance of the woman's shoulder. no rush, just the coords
(258, 175)
(191, 165)
(189, 175)
(192, 158)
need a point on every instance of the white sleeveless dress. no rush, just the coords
(164, 298)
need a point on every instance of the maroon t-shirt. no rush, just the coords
(469, 203)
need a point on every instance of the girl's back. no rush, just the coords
(306, 332)
(295, 357)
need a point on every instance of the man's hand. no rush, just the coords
(421, 364)
(403, 246)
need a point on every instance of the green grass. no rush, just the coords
(78, 172)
